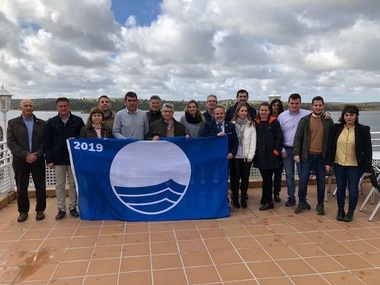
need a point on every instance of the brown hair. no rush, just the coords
(239, 106)
(96, 110)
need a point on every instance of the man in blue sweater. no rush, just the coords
(130, 123)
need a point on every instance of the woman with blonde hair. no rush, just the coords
(242, 161)
(95, 128)
(193, 120)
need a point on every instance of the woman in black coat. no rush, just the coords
(268, 152)
(349, 149)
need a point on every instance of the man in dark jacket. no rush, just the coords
(104, 103)
(241, 97)
(167, 126)
(310, 145)
(212, 102)
(220, 127)
(60, 128)
(25, 136)
(154, 113)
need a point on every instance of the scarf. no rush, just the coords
(239, 126)
(192, 120)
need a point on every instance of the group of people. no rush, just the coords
(270, 140)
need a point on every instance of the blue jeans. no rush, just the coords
(289, 170)
(347, 176)
(315, 160)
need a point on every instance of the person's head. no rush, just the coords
(294, 103)
(96, 116)
(276, 107)
(63, 106)
(317, 105)
(264, 111)
(192, 107)
(167, 111)
(219, 114)
(350, 115)
(27, 108)
(211, 103)
(242, 96)
(155, 103)
(241, 112)
(104, 103)
(130, 101)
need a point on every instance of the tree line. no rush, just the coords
(84, 105)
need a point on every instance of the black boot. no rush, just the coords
(236, 202)
(277, 197)
(243, 201)
(349, 216)
(340, 216)
(267, 206)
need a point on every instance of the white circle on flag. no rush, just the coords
(150, 177)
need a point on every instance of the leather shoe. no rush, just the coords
(243, 203)
(340, 216)
(60, 215)
(74, 213)
(277, 197)
(267, 206)
(22, 218)
(40, 216)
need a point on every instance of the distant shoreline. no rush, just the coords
(85, 105)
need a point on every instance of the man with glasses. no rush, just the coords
(167, 126)
(211, 103)
(130, 123)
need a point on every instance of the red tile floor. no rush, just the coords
(249, 247)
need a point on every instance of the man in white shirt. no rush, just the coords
(289, 120)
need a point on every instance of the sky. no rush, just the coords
(188, 49)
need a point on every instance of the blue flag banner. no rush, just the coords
(169, 179)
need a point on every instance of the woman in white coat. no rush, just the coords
(241, 163)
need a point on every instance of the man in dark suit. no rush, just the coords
(241, 97)
(211, 103)
(25, 139)
(219, 127)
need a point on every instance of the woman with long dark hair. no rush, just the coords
(276, 108)
(349, 150)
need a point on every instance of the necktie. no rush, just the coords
(220, 128)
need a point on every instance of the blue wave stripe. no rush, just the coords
(148, 199)
(148, 190)
(154, 207)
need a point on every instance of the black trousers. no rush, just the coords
(22, 170)
(277, 180)
(239, 173)
(267, 175)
